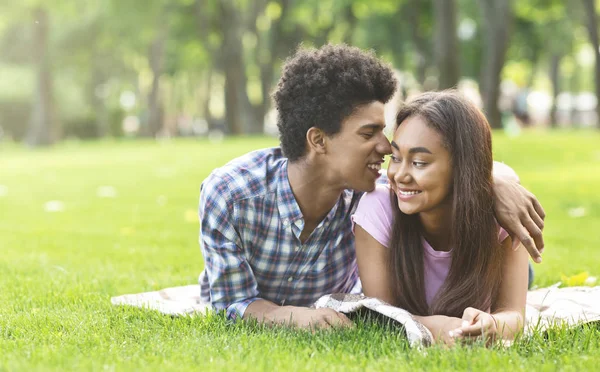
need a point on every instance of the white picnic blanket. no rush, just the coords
(546, 307)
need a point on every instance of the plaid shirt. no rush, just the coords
(250, 225)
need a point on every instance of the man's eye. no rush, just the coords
(367, 135)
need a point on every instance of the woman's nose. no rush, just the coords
(402, 175)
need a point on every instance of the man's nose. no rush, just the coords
(384, 147)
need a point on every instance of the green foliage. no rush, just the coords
(104, 46)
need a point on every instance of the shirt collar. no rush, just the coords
(289, 210)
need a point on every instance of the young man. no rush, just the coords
(275, 223)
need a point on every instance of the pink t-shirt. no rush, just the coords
(375, 215)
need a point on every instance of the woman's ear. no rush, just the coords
(316, 140)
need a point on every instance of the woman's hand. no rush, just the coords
(441, 327)
(476, 323)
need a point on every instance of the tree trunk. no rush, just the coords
(156, 60)
(274, 45)
(555, 79)
(352, 21)
(592, 26)
(238, 113)
(534, 60)
(95, 92)
(210, 120)
(497, 16)
(446, 43)
(413, 12)
(43, 128)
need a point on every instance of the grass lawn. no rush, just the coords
(124, 221)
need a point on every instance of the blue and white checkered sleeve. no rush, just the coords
(232, 283)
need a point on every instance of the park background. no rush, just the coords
(113, 112)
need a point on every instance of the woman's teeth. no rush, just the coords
(408, 192)
(376, 167)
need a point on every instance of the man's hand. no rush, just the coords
(303, 317)
(295, 316)
(519, 212)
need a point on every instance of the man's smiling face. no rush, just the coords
(355, 154)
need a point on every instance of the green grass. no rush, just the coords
(59, 270)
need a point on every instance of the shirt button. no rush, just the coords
(290, 279)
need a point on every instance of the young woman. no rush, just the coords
(429, 242)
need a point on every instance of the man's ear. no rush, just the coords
(316, 140)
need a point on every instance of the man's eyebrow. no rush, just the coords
(372, 126)
(413, 150)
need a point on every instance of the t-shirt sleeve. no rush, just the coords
(502, 234)
(375, 214)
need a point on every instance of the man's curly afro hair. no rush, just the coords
(321, 87)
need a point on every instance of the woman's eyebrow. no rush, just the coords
(419, 149)
(412, 150)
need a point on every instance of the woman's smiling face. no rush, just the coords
(420, 170)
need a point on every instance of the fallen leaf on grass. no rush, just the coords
(191, 216)
(127, 231)
(575, 280)
(106, 192)
(161, 200)
(54, 206)
(577, 212)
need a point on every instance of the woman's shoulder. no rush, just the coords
(381, 194)
(375, 214)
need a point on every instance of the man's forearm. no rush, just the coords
(267, 312)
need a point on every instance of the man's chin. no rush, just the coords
(365, 188)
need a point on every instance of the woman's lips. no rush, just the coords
(406, 195)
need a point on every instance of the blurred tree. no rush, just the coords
(415, 13)
(446, 43)
(220, 59)
(497, 18)
(238, 110)
(543, 33)
(592, 27)
(43, 128)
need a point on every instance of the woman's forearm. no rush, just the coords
(439, 325)
(508, 323)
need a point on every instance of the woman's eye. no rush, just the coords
(394, 158)
(419, 164)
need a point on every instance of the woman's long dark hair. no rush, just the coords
(475, 271)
